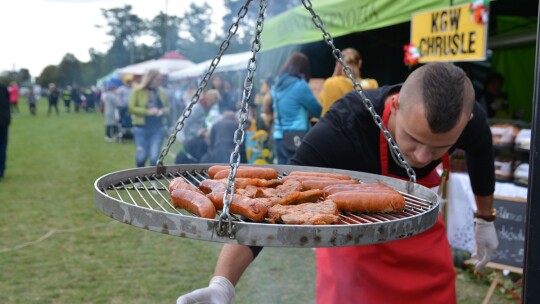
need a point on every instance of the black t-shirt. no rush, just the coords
(347, 138)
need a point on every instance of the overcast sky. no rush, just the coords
(37, 33)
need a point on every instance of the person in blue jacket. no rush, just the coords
(293, 104)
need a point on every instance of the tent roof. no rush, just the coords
(173, 55)
(230, 62)
(341, 17)
(165, 66)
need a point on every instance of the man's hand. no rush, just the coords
(486, 242)
(220, 291)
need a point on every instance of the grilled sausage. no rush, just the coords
(358, 201)
(249, 207)
(216, 197)
(304, 177)
(321, 183)
(328, 190)
(249, 172)
(319, 174)
(210, 185)
(193, 202)
(215, 169)
(254, 172)
(180, 183)
(257, 182)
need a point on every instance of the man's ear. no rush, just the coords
(395, 103)
(471, 117)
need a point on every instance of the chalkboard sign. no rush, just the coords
(510, 225)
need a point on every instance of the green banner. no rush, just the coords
(341, 17)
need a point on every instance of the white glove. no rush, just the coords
(486, 242)
(219, 291)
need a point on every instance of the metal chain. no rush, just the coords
(202, 85)
(358, 88)
(225, 225)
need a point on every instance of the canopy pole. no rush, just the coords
(531, 269)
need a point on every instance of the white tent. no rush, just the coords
(231, 62)
(164, 65)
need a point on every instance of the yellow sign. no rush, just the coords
(450, 34)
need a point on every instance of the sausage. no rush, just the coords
(215, 169)
(216, 197)
(252, 209)
(257, 182)
(367, 201)
(180, 183)
(210, 185)
(249, 207)
(304, 177)
(255, 172)
(321, 183)
(249, 172)
(193, 202)
(319, 174)
(328, 190)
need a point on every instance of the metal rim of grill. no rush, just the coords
(140, 197)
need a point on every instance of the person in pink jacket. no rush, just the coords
(14, 97)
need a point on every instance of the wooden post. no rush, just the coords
(492, 287)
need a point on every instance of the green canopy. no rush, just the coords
(341, 17)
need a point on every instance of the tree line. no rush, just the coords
(190, 34)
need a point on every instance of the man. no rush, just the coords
(76, 97)
(5, 119)
(433, 114)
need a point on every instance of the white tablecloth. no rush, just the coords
(461, 206)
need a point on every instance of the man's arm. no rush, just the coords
(484, 205)
(233, 261)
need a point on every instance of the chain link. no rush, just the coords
(225, 226)
(358, 88)
(202, 85)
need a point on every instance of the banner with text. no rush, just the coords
(451, 34)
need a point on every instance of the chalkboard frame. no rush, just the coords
(498, 201)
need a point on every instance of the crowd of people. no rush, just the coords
(282, 109)
(74, 98)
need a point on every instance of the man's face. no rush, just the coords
(416, 141)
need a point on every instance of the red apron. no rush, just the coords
(418, 269)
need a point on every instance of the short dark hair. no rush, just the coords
(445, 93)
(297, 65)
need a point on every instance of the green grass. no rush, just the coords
(56, 247)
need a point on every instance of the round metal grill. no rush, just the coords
(139, 197)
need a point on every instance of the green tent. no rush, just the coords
(341, 17)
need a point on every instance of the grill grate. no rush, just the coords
(152, 193)
(140, 197)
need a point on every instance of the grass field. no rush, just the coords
(56, 247)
